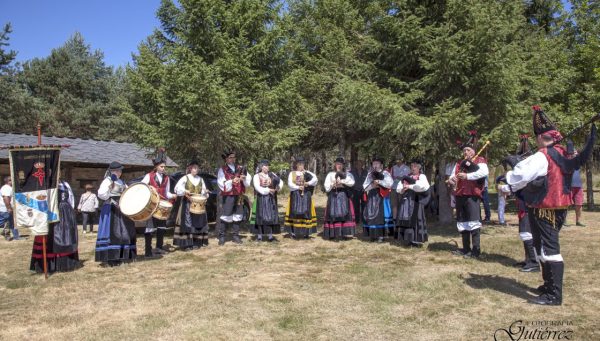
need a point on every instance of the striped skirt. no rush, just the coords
(300, 215)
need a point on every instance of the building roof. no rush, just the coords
(93, 152)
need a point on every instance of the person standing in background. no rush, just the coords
(88, 204)
(6, 211)
(577, 196)
(486, 202)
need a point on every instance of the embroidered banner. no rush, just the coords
(34, 174)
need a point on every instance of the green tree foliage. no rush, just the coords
(71, 93)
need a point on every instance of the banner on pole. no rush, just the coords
(35, 173)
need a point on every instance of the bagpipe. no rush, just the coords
(468, 165)
(377, 175)
(574, 162)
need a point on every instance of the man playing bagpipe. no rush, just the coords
(339, 213)
(265, 215)
(414, 193)
(543, 181)
(468, 180)
(377, 214)
(232, 180)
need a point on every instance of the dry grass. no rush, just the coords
(294, 290)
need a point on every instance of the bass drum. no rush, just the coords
(139, 202)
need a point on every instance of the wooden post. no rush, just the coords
(39, 134)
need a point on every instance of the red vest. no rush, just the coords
(555, 198)
(236, 189)
(162, 188)
(469, 187)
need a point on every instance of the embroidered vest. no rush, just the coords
(556, 196)
(469, 187)
(236, 189)
(193, 189)
(162, 187)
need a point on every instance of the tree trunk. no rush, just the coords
(353, 155)
(589, 182)
(444, 195)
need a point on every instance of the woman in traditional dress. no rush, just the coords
(339, 214)
(62, 239)
(411, 226)
(300, 216)
(116, 233)
(191, 231)
(377, 214)
(265, 216)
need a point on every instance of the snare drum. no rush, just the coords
(163, 210)
(197, 204)
(139, 202)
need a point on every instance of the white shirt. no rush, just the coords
(292, 177)
(420, 185)
(330, 181)
(260, 189)
(180, 186)
(526, 171)
(482, 172)
(88, 202)
(226, 185)
(5, 191)
(400, 171)
(386, 182)
(146, 180)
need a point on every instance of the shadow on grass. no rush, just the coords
(501, 284)
(442, 246)
(497, 258)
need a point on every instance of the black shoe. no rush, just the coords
(579, 224)
(221, 241)
(542, 289)
(534, 267)
(273, 240)
(195, 247)
(546, 299)
(237, 240)
(205, 242)
(519, 264)
(460, 252)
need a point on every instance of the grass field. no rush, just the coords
(301, 290)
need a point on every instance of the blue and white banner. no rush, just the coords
(34, 172)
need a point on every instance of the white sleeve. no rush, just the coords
(71, 195)
(527, 171)
(104, 189)
(329, 181)
(180, 187)
(504, 188)
(367, 181)
(280, 187)
(387, 180)
(146, 179)
(293, 186)
(313, 181)
(168, 189)
(224, 185)
(257, 186)
(349, 180)
(80, 202)
(205, 191)
(400, 186)
(95, 201)
(482, 172)
(420, 185)
(247, 180)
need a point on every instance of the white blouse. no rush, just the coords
(330, 181)
(260, 189)
(419, 186)
(292, 176)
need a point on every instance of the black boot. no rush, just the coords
(553, 294)
(522, 264)
(476, 251)
(546, 276)
(236, 232)
(466, 241)
(531, 264)
(222, 229)
(148, 244)
(205, 240)
(160, 237)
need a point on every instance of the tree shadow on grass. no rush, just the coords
(442, 246)
(501, 284)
